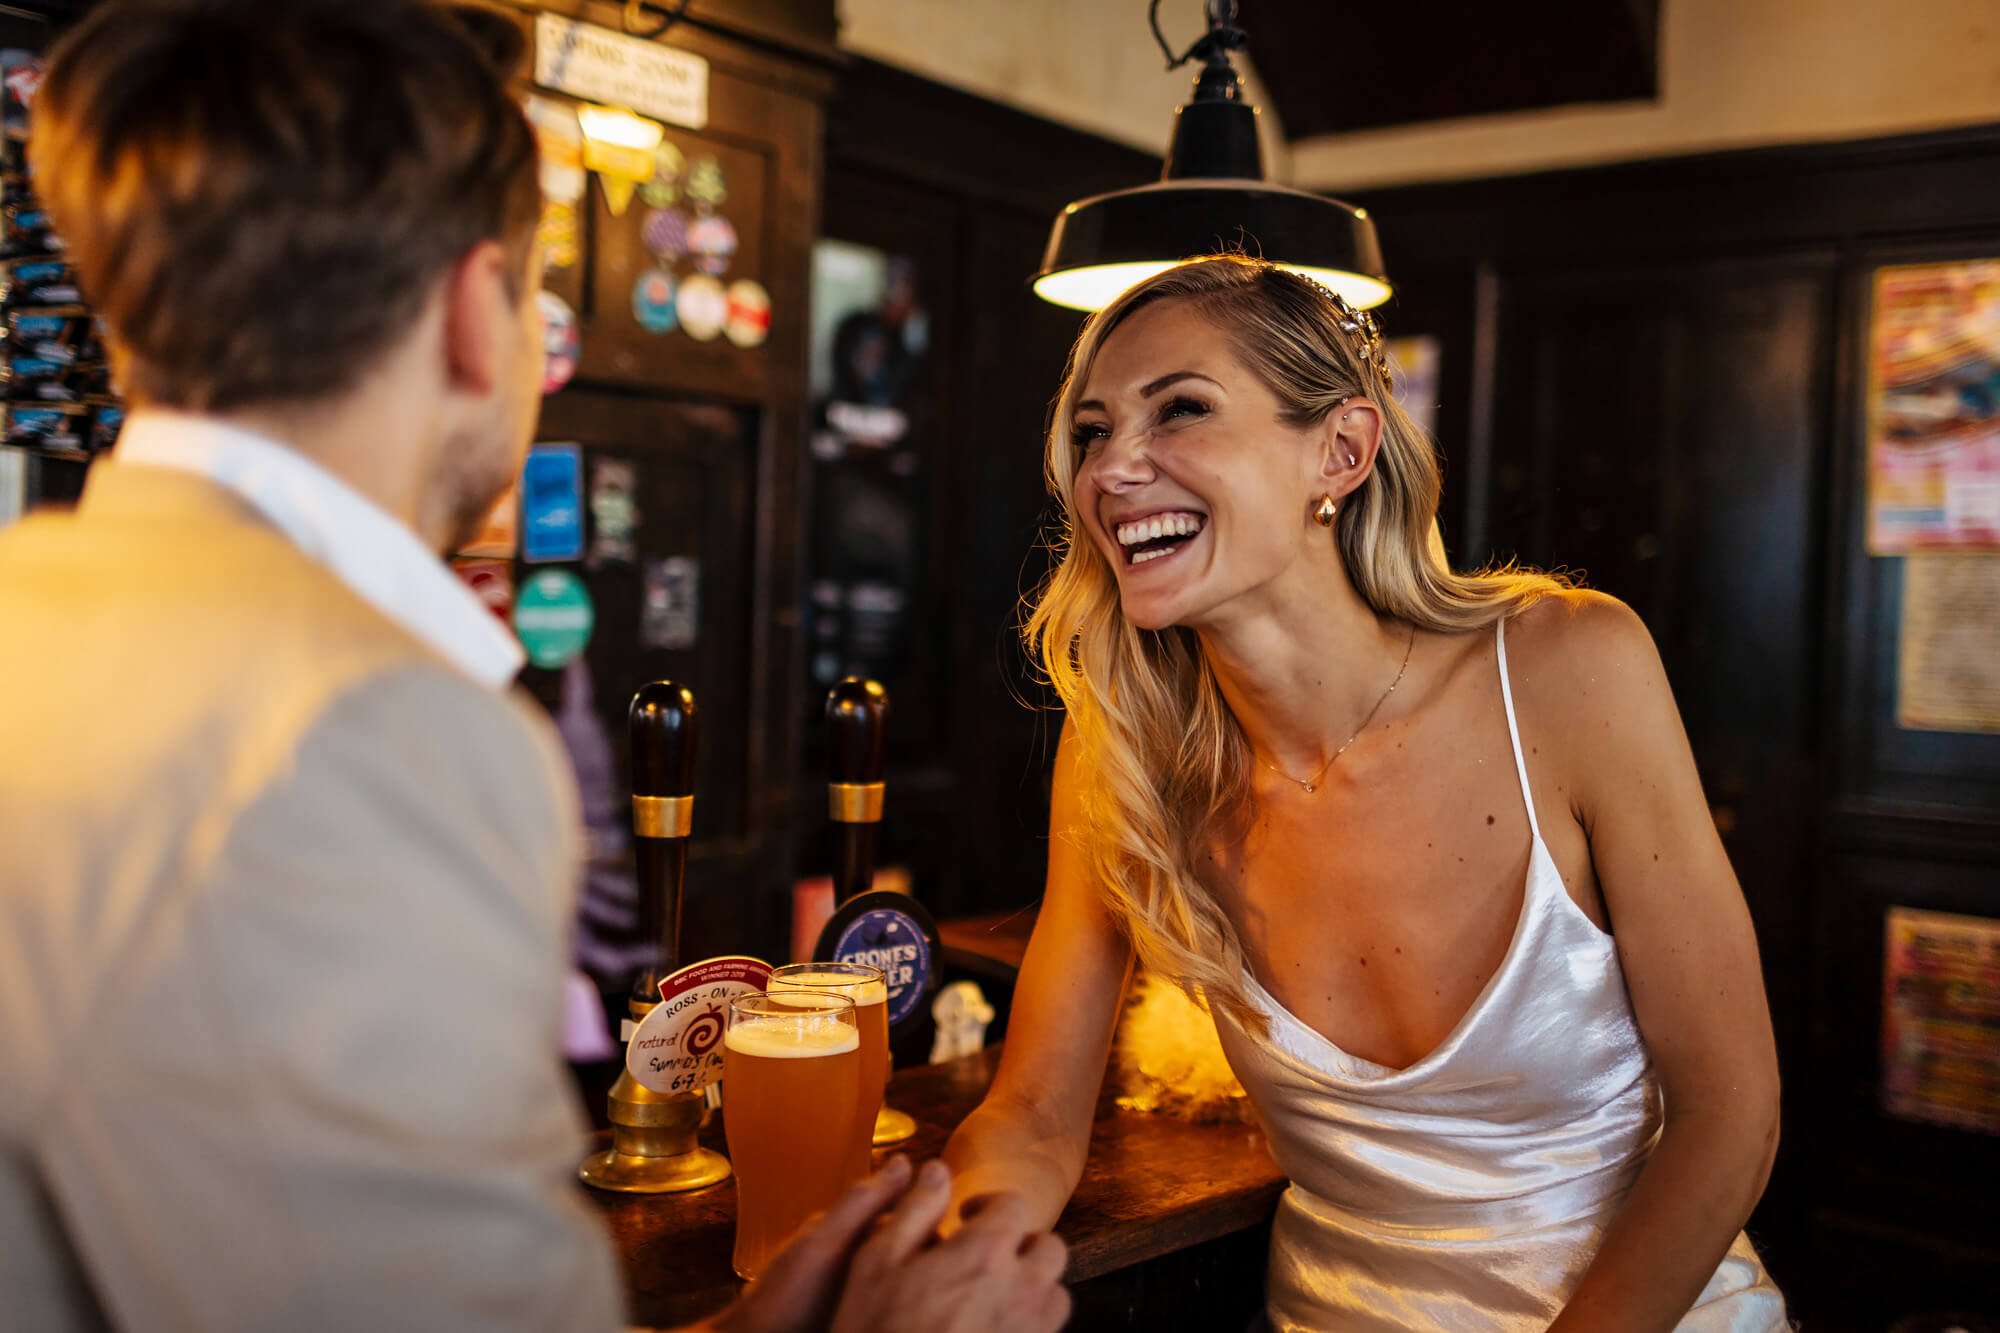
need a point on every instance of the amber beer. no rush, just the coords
(791, 1065)
(864, 985)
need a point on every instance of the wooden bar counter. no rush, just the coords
(1155, 1187)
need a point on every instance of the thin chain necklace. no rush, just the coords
(1311, 784)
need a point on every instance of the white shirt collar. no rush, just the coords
(357, 541)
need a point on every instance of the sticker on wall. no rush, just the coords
(552, 503)
(712, 241)
(749, 320)
(492, 581)
(559, 235)
(562, 345)
(553, 618)
(653, 301)
(559, 136)
(704, 307)
(670, 617)
(614, 511)
(706, 184)
(666, 234)
(664, 189)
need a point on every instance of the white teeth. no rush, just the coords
(1160, 525)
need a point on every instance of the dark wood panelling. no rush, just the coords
(1404, 64)
(968, 189)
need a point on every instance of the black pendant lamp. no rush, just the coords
(1211, 198)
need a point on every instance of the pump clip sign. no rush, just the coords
(677, 1048)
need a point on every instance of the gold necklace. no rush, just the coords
(1311, 784)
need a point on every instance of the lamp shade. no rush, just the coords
(1104, 245)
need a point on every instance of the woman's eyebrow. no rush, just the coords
(1163, 382)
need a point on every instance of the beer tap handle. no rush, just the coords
(665, 730)
(857, 715)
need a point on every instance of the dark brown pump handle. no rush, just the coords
(665, 727)
(857, 722)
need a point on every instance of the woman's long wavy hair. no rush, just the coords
(1165, 769)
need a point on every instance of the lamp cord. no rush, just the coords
(635, 10)
(1223, 35)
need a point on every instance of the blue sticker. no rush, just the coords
(552, 504)
(892, 941)
(653, 301)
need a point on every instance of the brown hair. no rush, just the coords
(259, 197)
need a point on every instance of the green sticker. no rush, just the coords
(553, 617)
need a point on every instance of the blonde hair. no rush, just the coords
(1164, 766)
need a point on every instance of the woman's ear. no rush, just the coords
(1352, 437)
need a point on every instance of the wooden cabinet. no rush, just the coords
(705, 439)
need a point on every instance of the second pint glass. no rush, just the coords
(791, 1070)
(862, 984)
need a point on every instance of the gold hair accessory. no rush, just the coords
(1360, 327)
(1311, 784)
(1324, 514)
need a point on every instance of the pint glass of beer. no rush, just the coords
(791, 1068)
(864, 985)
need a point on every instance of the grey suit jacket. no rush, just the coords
(284, 903)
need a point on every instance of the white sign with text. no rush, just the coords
(600, 65)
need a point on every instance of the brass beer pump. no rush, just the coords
(653, 1148)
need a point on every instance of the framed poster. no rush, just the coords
(1941, 1018)
(1933, 413)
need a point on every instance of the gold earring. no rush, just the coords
(1324, 514)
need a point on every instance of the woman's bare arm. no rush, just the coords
(1031, 1133)
(1689, 956)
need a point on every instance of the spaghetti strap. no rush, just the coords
(1513, 728)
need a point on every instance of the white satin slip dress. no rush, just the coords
(1470, 1190)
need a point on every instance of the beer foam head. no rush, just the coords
(860, 990)
(792, 1038)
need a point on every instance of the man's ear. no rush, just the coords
(478, 311)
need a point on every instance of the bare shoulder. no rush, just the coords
(1578, 642)
(1588, 679)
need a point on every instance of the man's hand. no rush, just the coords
(993, 1275)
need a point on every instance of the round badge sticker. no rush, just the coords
(712, 241)
(705, 183)
(749, 321)
(666, 234)
(665, 186)
(562, 346)
(888, 939)
(704, 307)
(553, 618)
(678, 1046)
(653, 301)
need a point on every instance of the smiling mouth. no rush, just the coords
(1157, 536)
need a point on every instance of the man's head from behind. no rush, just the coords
(278, 209)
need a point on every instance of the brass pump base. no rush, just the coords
(893, 1126)
(653, 1148)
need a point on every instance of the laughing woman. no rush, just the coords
(1431, 846)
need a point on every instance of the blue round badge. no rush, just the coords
(892, 941)
(653, 303)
